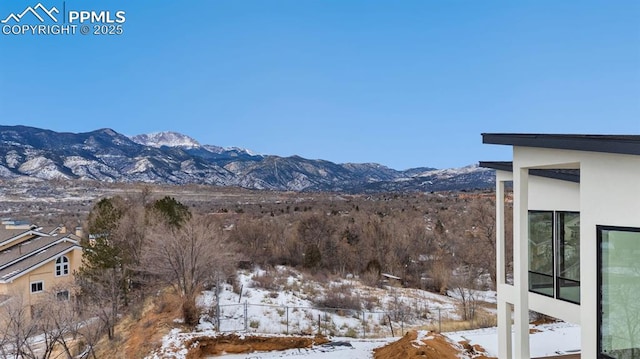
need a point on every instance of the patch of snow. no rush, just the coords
(13, 159)
(451, 172)
(168, 138)
(350, 349)
(173, 346)
(547, 340)
(41, 167)
(6, 173)
(142, 165)
(290, 307)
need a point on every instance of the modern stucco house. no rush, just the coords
(576, 239)
(35, 261)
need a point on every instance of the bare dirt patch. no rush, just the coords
(137, 336)
(235, 344)
(433, 346)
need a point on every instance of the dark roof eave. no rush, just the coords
(563, 175)
(622, 144)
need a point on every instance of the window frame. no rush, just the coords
(553, 257)
(36, 283)
(555, 253)
(557, 257)
(63, 295)
(62, 266)
(599, 230)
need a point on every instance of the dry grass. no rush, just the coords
(266, 280)
(483, 320)
(136, 338)
(340, 297)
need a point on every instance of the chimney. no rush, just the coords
(79, 231)
(63, 229)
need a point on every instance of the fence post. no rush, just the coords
(319, 325)
(287, 320)
(246, 316)
(364, 325)
(218, 317)
(326, 323)
(217, 292)
(401, 323)
(439, 320)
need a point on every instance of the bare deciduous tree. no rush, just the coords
(464, 287)
(188, 258)
(90, 330)
(17, 329)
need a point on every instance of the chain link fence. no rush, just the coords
(274, 319)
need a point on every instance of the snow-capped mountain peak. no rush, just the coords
(170, 157)
(176, 139)
(450, 172)
(167, 138)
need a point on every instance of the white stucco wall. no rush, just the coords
(547, 194)
(552, 194)
(608, 194)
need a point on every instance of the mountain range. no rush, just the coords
(173, 158)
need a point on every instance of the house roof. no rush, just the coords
(571, 175)
(623, 144)
(28, 253)
(8, 273)
(6, 234)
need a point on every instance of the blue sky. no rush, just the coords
(401, 83)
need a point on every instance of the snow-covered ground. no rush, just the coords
(343, 348)
(291, 299)
(552, 339)
(545, 340)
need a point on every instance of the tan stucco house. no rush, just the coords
(576, 240)
(35, 261)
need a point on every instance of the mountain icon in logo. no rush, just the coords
(33, 10)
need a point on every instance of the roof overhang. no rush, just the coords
(29, 232)
(571, 175)
(623, 144)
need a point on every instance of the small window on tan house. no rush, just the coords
(37, 287)
(62, 295)
(62, 266)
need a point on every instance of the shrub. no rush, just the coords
(265, 280)
(190, 312)
(340, 298)
(351, 333)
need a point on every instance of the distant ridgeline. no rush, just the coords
(173, 158)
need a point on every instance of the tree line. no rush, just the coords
(137, 244)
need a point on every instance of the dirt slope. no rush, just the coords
(235, 344)
(430, 346)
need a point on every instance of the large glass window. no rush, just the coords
(541, 252)
(568, 234)
(619, 282)
(554, 254)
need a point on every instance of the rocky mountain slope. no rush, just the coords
(173, 158)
